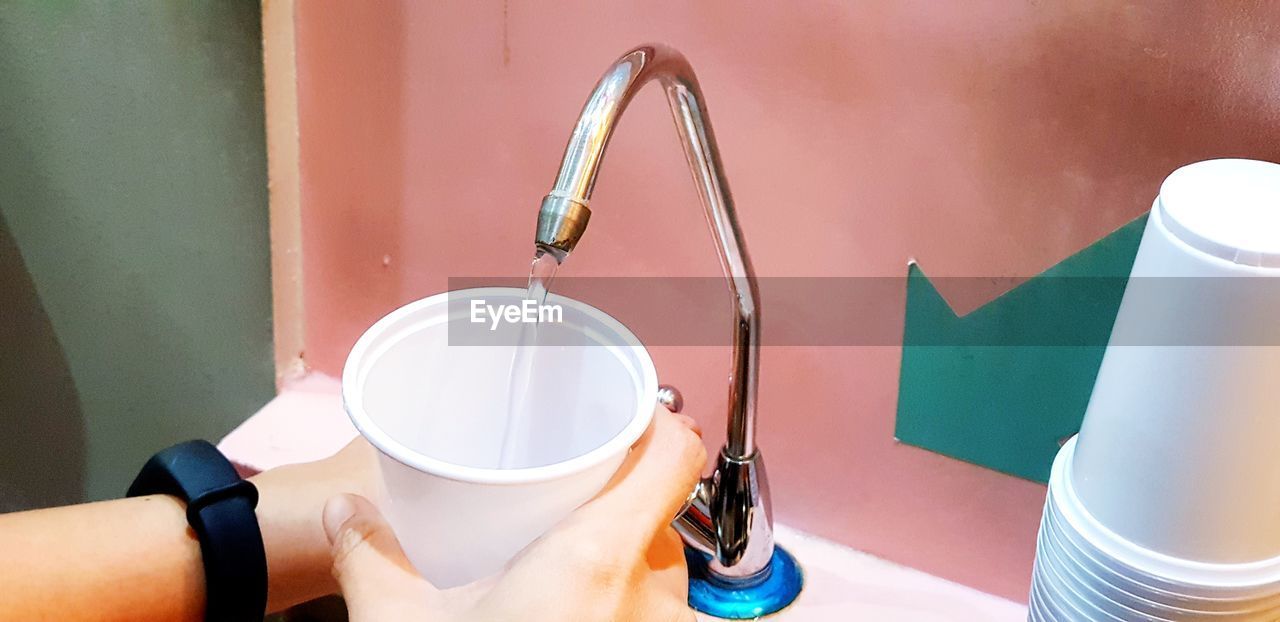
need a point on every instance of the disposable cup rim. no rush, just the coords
(1072, 593)
(1259, 575)
(1058, 569)
(364, 353)
(1059, 596)
(1158, 591)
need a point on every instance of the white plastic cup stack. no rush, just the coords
(1167, 505)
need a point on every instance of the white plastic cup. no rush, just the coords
(1036, 611)
(1143, 576)
(436, 410)
(1083, 571)
(1179, 452)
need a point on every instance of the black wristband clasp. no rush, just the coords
(220, 509)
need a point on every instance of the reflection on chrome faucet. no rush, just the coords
(728, 520)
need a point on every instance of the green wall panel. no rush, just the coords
(133, 187)
(1003, 385)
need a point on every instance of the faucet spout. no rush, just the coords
(565, 210)
(729, 518)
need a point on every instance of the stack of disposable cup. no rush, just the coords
(1085, 571)
(1167, 504)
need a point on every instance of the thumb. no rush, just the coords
(651, 485)
(376, 578)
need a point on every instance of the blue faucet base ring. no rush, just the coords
(743, 599)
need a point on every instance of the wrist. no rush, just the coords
(220, 511)
(291, 502)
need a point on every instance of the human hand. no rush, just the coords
(615, 558)
(291, 500)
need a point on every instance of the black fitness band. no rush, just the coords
(220, 508)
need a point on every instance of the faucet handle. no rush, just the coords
(670, 397)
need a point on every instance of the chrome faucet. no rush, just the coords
(736, 570)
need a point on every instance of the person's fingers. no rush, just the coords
(354, 469)
(358, 454)
(375, 576)
(652, 484)
(668, 579)
(666, 562)
(690, 423)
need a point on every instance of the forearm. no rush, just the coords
(129, 559)
(137, 559)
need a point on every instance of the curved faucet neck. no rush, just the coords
(565, 210)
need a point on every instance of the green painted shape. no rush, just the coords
(133, 182)
(967, 393)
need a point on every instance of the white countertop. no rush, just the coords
(306, 422)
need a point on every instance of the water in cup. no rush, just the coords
(516, 434)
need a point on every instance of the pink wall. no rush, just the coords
(983, 138)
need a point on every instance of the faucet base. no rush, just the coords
(746, 598)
